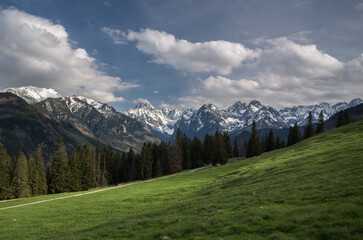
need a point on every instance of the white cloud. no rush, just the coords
(212, 56)
(107, 4)
(359, 6)
(156, 92)
(35, 51)
(141, 100)
(117, 36)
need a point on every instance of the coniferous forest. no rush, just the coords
(86, 167)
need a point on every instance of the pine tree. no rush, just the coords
(320, 126)
(196, 153)
(309, 129)
(340, 121)
(278, 143)
(254, 145)
(235, 148)
(175, 160)
(163, 156)
(87, 160)
(75, 174)
(294, 135)
(146, 161)
(157, 169)
(132, 163)
(185, 152)
(263, 144)
(270, 142)
(346, 118)
(21, 177)
(59, 170)
(208, 149)
(227, 145)
(37, 174)
(6, 188)
(219, 149)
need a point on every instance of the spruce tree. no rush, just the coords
(278, 143)
(146, 162)
(184, 148)
(157, 169)
(208, 149)
(263, 144)
(346, 118)
(37, 174)
(254, 145)
(175, 159)
(87, 160)
(309, 129)
(75, 173)
(196, 153)
(235, 148)
(21, 177)
(59, 170)
(270, 142)
(320, 126)
(6, 188)
(219, 149)
(163, 156)
(227, 145)
(340, 121)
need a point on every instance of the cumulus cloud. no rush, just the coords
(284, 71)
(35, 51)
(285, 74)
(212, 56)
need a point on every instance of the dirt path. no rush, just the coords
(71, 196)
(96, 191)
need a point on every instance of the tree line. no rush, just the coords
(86, 167)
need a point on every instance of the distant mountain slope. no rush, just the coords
(355, 114)
(23, 126)
(91, 118)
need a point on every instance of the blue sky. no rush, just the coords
(186, 53)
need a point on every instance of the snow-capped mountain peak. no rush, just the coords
(33, 94)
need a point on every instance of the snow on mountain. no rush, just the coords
(208, 118)
(160, 120)
(34, 95)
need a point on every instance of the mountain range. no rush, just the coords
(80, 120)
(144, 122)
(234, 119)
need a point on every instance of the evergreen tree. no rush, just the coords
(185, 153)
(235, 148)
(309, 129)
(320, 126)
(175, 160)
(219, 149)
(123, 175)
(157, 169)
(227, 145)
(6, 188)
(263, 144)
(163, 156)
(346, 119)
(59, 170)
(37, 174)
(278, 143)
(75, 176)
(270, 143)
(340, 121)
(294, 135)
(87, 168)
(146, 161)
(21, 177)
(254, 145)
(208, 149)
(196, 153)
(131, 161)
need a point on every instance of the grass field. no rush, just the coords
(312, 190)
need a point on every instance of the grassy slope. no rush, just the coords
(313, 190)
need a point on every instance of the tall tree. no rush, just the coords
(21, 177)
(346, 119)
(185, 152)
(278, 143)
(6, 188)
(157, 169)
(254, 145)
(309, 129)
(219, 149)
(208, 149)
(59, 170)
(227, 145)
(196, 153)
(235, 148)
(175, 159)
(146, 161)
(294, 135)
(75, 173)
(340, 121)
(320, 126)
(87, 168)
(270, 142)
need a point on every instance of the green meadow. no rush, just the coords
(311, 190)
